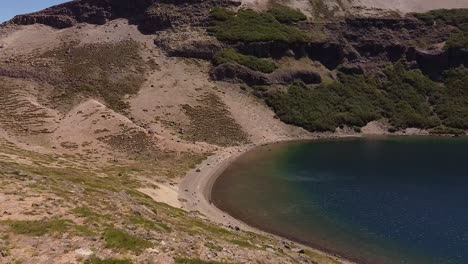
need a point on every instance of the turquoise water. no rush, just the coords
(393, 200)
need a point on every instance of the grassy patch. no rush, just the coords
(239, 27)
(196, 261)
(320, 258)
(40, 228)
(119, 239)
(213, 247)
(254, 63)
(84, 212)
(242, 243)
(211, 111)
(95, 260)
(147, 224)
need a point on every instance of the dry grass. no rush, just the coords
(212, 122)
(109, 71)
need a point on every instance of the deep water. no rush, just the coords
(388, 200)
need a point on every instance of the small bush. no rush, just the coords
(286, 14)
(458, 40)
(222, 14)
(254, 63)
(119, 239)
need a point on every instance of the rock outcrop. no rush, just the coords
(370, 42)
(149, 15)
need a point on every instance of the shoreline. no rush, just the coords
(196, 187)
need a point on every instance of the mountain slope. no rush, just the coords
(106, 106)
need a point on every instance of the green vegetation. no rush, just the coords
(242, 243)
(195, 261)
(147, 224)
(119, 239)
(286, 14)
(451, 101)
(84, 212)
(40, 228)
(352, 101)
(406, 98)
(95, 260)
(458, 40)
(213, 247)
(254, 63)
(455, 17)
(250, 26)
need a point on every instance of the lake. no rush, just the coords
(372, 200)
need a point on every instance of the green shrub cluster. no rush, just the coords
(451, 100)
(251, 26)
(458, 40)
(455, 17)
(286, 14)
(254, 63)
(406, 98)
(350, 102)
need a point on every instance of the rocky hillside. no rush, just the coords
(106, 105)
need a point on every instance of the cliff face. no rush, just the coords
(150, 15)
(354, 44)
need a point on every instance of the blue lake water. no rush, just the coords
(387, 200)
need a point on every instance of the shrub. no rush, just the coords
(451, 100)
(254, 63)
(402, 97)
(286, 14)
(458, 40)
(351, 102)
(454, 17)
(250, 26)
(443, 130)
(406, 98)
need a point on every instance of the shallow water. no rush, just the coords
(393, 200)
